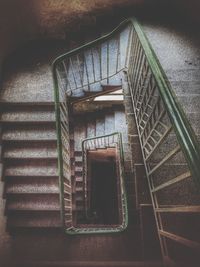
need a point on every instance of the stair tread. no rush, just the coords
(36, 220)
(6, 103)
(30, 151)
(33, 203)
(27, 114)
(29, 133)
(32, 186)
(25, 170)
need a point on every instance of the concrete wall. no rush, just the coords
(23, 20)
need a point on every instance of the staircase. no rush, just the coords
(168, 144)
(34, 184)
(90, 125)
(29, 149)
(30, 165)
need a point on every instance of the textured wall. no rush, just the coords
(23, 20)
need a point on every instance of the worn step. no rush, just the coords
(28, 114)
(149, 235)
(31, 168)
(11, 105)
(80, 198)
(79, 189)
(33, 85)
(110, 88)
(36, 219)
(31, 185)
(77, 153)
(78, 159)
(79, 178)
(78, 167)
(33, 202)
(30, 150)
(28, 132)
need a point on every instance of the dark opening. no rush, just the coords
(103, 188)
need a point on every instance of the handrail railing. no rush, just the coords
(160, 119)
(113, 140)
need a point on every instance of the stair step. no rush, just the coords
(15, 123)
(15, 104)
(32, 169)
(27, 150)
(79, 188)
(27, 132)
(27, 114)
(77, 153)
(78, 159)
(79, 198)
(78, 168)
(79, 179)
(38, 219)
(78, 207)
(150, 240)
(33, 202)
(25, 142)
(33, 185)
(110, 88)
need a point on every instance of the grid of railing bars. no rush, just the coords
(113, 140)
(87, 69)
(64, 162)
(151, 142)
(173, 190)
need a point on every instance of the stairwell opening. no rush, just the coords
(103, 187)
(96, 126)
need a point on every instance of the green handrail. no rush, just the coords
(185, 134)
(121, 155)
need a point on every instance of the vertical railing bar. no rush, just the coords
(108, 62)
(86, 69)
(151, 113)
(73, 74)
(118, 52)
(100, 63)
(67, 74)
(93, 69)
(79, 69)
(147, 103)
(139, 78)
(134, 46)
(137, 52)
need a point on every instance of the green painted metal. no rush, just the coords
(185, 134)
(112, 229)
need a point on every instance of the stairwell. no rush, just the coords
(30, 170)
(29, 141)
(31, 175)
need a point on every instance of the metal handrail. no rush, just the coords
(184, 133)
(106, 228)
